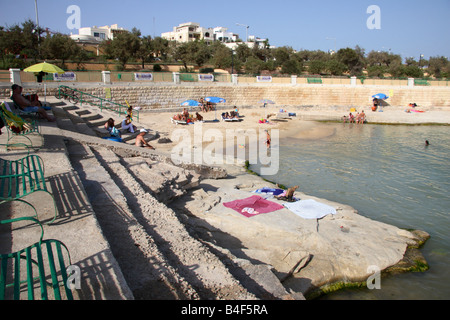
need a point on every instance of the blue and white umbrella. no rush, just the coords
(215, 100)
(266, 101)
(190, 103)
(380, 96)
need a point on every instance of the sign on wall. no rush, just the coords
(205, 77)
(143, 76)
(264, 79)
(67, 76)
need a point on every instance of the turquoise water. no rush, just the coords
(388, 174)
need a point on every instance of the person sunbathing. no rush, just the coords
(289, 196)
(179, 117)
(27, 105)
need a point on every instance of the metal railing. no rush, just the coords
(75, 96)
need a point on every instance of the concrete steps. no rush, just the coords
(153, 248)
(90, 120)
(145, 268)
(158, 252)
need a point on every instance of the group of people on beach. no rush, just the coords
(359, 118)
(231, 115)
(186, 117)
(205, 106)
(130, 127)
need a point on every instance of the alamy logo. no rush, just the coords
(374, 21)
(74, 277)
(74, 21)
(374, 281)
(211, 147)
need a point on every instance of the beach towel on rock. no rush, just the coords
(272, 191)
(253, 206)
(310, 209)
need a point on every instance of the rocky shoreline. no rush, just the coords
(295, 265)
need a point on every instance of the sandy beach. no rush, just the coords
(297, 127)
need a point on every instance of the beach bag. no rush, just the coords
(115, 132)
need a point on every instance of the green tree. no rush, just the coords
(145, 51)
(282, 55)
(413, 71)
(377, 71)
(316, 67)
(291, 66)
(353, 59)
(438, 66)
(335, 67)
(196, 52)
(21, 40)
(123, 47)
(59, 47)
(161, 48)
(254, 65)
(222, 56)
(243, 52)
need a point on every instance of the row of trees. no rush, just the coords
(27, 42)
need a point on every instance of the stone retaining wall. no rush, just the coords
(162, 96)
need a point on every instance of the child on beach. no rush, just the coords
(140, 141)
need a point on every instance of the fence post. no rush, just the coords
(15, 76)
(106, 77)
(410, 82)
(293, 79)
(176, 77)
(353, 81)
(234, 78)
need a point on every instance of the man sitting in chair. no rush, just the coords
(27, 105)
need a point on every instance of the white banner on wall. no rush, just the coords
(143, 76)
(205, 77)
(67, 76)
(264, 79)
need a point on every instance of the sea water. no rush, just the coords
(388, 174)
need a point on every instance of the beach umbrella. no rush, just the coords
(215, 100)
(47, 68)
(380, 96)
(266, 101)
(190, 103)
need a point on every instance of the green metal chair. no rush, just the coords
(16, 126)
(20, 178)
(41, 264)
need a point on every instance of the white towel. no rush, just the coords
(310, 209)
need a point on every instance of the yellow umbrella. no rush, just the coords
(44, 67)
(47, 68)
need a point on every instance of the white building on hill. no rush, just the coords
(189, 31)
(97, 34)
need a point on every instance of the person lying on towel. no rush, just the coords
(289, 196)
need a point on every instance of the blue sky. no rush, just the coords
(408, 27)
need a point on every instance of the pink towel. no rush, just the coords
(253, 206)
